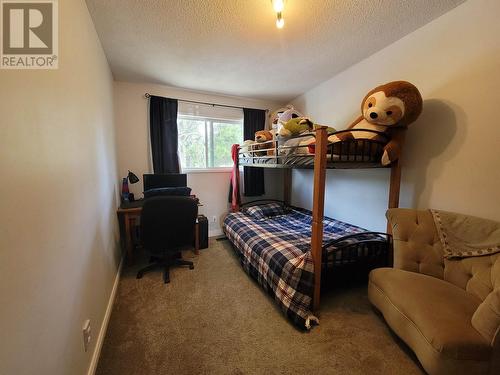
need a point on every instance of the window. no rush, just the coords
(205, 142)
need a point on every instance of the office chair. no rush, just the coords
(167, 223)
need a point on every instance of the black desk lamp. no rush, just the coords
(126, 195)
(132, 177)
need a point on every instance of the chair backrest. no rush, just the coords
(168, 222)
(417, 248)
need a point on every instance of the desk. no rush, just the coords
(130, 212)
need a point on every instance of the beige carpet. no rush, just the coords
(216, 320)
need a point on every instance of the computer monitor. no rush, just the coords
(157, 181)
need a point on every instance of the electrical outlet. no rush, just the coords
(214, 219)
(87, 334)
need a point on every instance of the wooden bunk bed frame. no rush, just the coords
(320, 165)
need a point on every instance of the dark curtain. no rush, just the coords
(163, 132)
(253, 178)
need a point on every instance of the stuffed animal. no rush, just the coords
(260, 137)
(264, 136)
(296, 126)
(300, 125)
(389, 109)
(281, 116)
(329, 129)
(289, 114)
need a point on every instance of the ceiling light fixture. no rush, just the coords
(278, 6)
(280, 22)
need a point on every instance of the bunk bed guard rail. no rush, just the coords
(290, 152)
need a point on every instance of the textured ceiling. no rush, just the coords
(233, 46)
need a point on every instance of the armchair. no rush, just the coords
(447, 311)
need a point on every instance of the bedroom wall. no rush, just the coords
(452, 152)
(58, 232)
(131, 111)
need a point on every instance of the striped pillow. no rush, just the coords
(263, 211)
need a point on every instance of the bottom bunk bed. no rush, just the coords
(273, 242)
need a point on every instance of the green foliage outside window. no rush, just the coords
(206, 143)
(192, 146)
(225, 135)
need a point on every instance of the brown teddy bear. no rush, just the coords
(388, 108)
(264, 136)
(248, 148)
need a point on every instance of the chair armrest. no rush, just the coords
(495, 280)
(416, 243)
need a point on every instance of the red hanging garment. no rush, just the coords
(235, 180)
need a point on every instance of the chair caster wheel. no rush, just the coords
(139, 276)
(191, 267)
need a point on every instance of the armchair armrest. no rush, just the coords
(486, 320)
(495, 279)
(495, 354)
(416, 243)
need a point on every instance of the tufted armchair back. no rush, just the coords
(416, 243)
(417, 248)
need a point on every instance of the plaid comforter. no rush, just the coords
(276, 252)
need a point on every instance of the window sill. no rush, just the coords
(208, 170)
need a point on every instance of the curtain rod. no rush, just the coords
(148, 95)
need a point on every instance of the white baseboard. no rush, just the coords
(105, 321)
(215, 233)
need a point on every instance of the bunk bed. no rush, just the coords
(289, 250)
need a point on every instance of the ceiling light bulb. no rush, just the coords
(278, 5)
(280, 22)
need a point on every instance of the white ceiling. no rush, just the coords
(233, 46)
